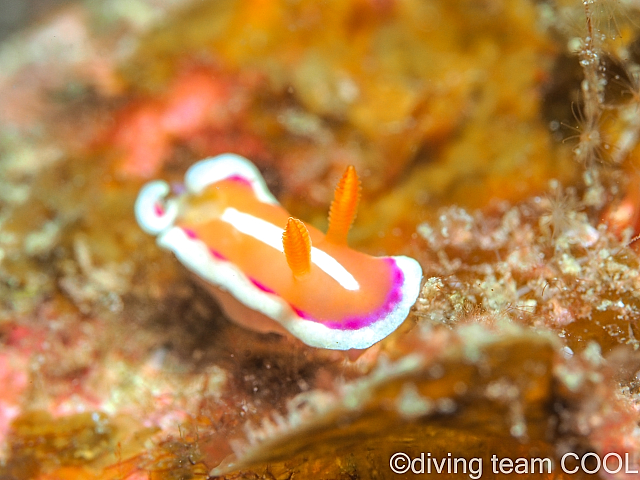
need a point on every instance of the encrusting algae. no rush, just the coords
(498, 144)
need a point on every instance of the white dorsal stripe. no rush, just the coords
(271, 235)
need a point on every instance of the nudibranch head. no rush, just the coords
(229, 230)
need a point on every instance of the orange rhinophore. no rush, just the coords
(297, 247)
(344, 206)
(272, 272)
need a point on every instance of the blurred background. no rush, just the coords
(15, 14)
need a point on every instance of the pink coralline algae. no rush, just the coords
(196, 107)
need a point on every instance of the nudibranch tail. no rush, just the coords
(405, 292)
(344, 206)
(153, 213)
(297, 247)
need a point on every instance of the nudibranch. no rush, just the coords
(272, 272)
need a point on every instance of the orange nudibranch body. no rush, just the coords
(232, 232)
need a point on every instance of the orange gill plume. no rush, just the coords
(344, 206)
(297, 247)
